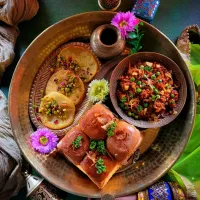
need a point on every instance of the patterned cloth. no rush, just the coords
(10, 157)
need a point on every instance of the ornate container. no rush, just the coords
(106, 41)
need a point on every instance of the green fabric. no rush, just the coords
(189, 163)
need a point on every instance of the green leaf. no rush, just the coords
(133, 51)
(136, 28)
(194, 54)
(140, 37)
(132, 35)
(141, 23)
(134, 43)
(140, 47)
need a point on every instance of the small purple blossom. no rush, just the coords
(125, 22)
(43, 140)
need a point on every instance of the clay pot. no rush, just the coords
(106, 41)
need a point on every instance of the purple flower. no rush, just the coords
(125, 22)
(43, 140)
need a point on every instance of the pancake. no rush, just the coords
(68, 84)
(56, 111)
(80, 60)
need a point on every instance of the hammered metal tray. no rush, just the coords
(153, 164)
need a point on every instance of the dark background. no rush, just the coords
(171, 18)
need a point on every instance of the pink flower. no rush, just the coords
(43, 140)
(125, 22)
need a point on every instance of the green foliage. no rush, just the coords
(135, 39)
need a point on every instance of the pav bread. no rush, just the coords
(75, 153)
(93, 121)
(124, 142)
(105, 145)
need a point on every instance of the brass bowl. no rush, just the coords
(178, 77)
(151, 166)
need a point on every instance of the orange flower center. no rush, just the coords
(123, 23)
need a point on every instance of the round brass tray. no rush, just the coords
(152, 165)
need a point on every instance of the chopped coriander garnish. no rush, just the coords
(172, 95)
(76, 143)
(139, 90)
(111, 128)
(136, 116)
(153, 77)
(132, 79)
(139, 82)
(101, 147)
(123, 99)
(145, 105)
(93, 144)
(159, 81)
(100, 166)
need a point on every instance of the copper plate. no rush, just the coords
(152, 165)
(178, 78)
